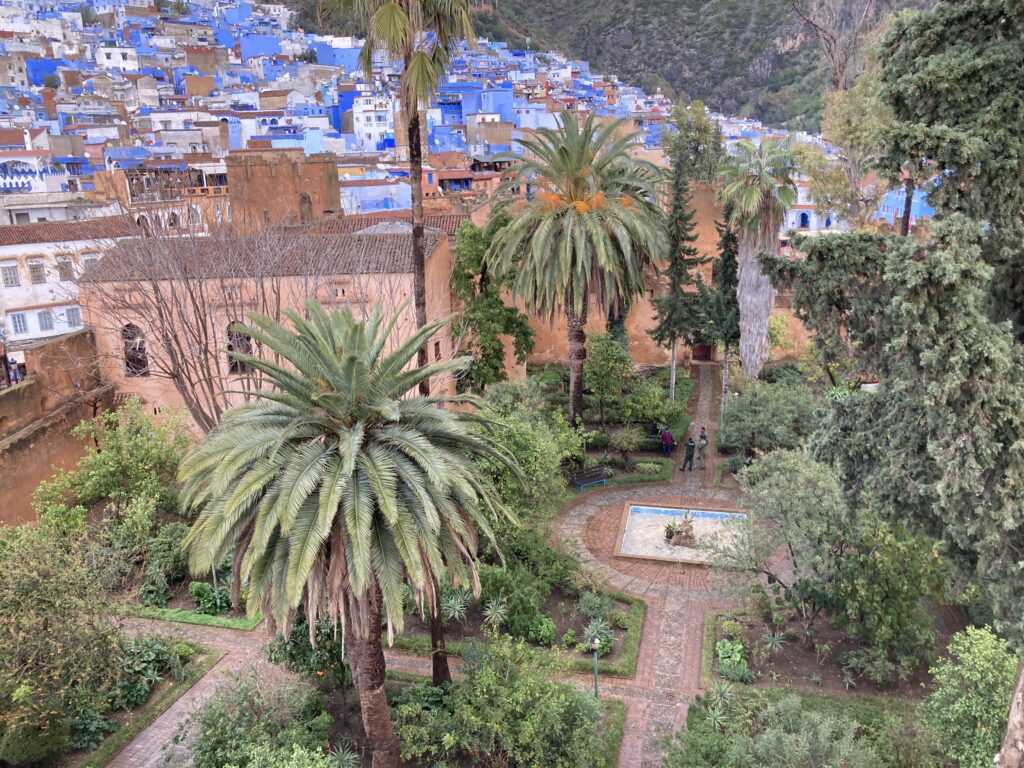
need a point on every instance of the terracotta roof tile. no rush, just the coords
(67, 231)
(447, 223)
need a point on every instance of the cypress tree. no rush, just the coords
(679, 311)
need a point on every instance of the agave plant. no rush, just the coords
(496, 611)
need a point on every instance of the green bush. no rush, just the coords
(732, 661)
(506, 712)
(131, 455)
(253, 711)
(542, 631)
(291, 756)
(627, 440)
(767, 417)
(648, 468)
(144, 661)
(530, 549)
(971, 701)
(647, 404)
(594, 605)
(209, 600)
(606, 371)
(166, 564)
(731, 628)
(597, 439)
(569, 638)
(324, 661)
(524, 594)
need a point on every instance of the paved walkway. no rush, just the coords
(677, 595)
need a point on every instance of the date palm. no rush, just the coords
(337, 488)
(757, 184)
(589, 231)
(423, 35)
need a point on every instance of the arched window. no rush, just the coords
(238, 342)
(305, 208)
(828, 222)
(805, 220)
(136, 361)
(172, 219)
(143, 222)
(193, 217)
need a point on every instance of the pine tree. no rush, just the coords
(719, 305)
(679, 312)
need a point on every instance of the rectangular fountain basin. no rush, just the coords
(642, 532)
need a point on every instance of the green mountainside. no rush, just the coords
(741, 57)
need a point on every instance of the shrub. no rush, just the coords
(324, 661)
(594, 605)
(144, 661)
(607, 369)
(252, 711)
(506, 712)
(542, 631)
(783, 373)
(209, 600)
(767, 417)
(524, 594)
(291, 756)
(732, 661)
(597, 439)
(647, 403)
(603, 631)
(89, 726)
(969, 706)
(627, 440)
(731, 628)
(530, 549)
(166, 564)
(569, 638)
(648, 467)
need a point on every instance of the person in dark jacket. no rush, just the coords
(691, 447)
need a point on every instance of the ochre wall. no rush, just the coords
(265, 185)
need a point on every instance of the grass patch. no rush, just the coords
(190, 617)
(152, 709)
(623, 666)
(614, 725)
(632, 478)
(719, 468)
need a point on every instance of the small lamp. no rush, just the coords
(595, 644)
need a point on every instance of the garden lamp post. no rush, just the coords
(595, 644)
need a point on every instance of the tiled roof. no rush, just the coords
(242, 257)
(67, 231)
(447, 223)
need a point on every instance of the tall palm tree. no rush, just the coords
(336, 488)
(590, 229)
(423, 35)
(759, 187)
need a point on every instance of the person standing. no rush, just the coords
(688, 459)
(667, 442)
(702, 447)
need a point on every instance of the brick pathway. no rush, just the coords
(668, 667)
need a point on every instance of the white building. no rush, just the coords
(113, 57)
(39, 268)
(373, 119)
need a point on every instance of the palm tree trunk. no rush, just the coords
(756, 296)
(907, 204)
(672, 376)
(439, 671)
(577, 356)
(1012, 753)
(419, 256)
(366, 657)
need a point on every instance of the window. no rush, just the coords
(305, 208)
(437, 350)
(45, 319)
(64, 270)
(73, 317)
(21, 218)
(136, 361)
(36, 272)
(238, 342)
(19, 323)
(10, 272)
(88, 262)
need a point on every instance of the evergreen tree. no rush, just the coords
(485, 316)
(719, 305)
(678, 312)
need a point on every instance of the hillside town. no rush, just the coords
(401, 396)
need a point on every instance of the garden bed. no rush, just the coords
(232, 620)
(132, 723)
(793, 665)
(559, 607)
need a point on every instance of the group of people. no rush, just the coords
(698, 447)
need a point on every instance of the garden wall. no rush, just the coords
(37, 416)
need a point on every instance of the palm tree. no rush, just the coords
(423, 35)
(758, 185)
(590, 229)
(336, 488)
